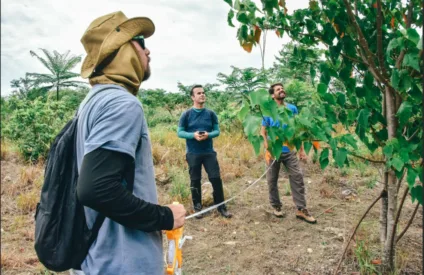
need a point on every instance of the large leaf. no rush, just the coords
(323, 158)
(388, 150)
(242, 17)
(243, 112)
(230, 18)
(256, 141)
(404, 112)
(341, 155)
(413, 35)
(349, 139)
(252, 124)
(411, 60)
(397, 163)
(412, 175)
(307, 147)
(417, 194)
(362, 126)
(322, 88)
(259, 97)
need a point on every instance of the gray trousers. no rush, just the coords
(297, 184)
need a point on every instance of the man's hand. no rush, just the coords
(179, 213)
(200, 137)
(197, 136)
(204, 136)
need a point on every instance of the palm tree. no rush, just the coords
(60, 66)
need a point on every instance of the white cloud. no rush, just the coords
(192, 42)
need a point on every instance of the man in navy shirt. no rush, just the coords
(199, 126)
(289, 159)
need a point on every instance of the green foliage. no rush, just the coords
(33, 125)
(364, 258)
(352, 77)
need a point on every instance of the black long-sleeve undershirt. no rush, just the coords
(100, 187)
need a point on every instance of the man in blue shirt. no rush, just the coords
(199, 126)
(289, 159)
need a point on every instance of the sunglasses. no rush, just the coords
(140, 40)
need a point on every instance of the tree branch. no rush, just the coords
(354, 231)
(409, 223)
(370, 160)
(380, 40)
(413, 135)
(369, 58)
(392, 241)
(408, 25)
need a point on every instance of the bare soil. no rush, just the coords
(253, 241)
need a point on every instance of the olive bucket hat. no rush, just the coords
(107, 34)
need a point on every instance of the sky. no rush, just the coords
(192, 42)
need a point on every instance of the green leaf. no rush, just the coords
(229, 2)
(393, 44)
(243, 112)
(413, 35)
(252, 124)
(362, 126)
(256, 141)
(341, 99)
(230, 18)
(397, 163)
(304, 122)
(341, 155)
(417, 194)
(333, 144)
(411, 60)
(307, 147)
(412, 175)
(349, 139)
(322, 89)
(323, 158)
(237, 5)
(242, 17)
(404, 156)
(395, 79)
(404, 112)
(259, 97)
(388, 150)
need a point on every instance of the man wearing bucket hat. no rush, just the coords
(116, 176)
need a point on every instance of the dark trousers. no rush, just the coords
(210, 162)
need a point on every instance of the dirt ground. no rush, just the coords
(253, 241)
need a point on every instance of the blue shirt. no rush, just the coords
(114, 119)
(199, 120)
(269, 122)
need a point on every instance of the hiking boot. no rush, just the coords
(198, 208)
(278, 212)
(223, 211)
(303, 214)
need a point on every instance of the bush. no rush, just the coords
(33, 125)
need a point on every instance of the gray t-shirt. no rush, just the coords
(114, 119)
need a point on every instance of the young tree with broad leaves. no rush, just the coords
(373, 48)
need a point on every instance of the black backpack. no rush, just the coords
(62, 238)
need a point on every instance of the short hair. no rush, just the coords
(194, 87)
(271, 89)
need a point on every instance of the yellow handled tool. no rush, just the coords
(175, 256)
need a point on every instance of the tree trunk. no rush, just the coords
(389, 246)
(57, 93)
(383, 211)
(388, 264)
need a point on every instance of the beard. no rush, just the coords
(147, 73)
